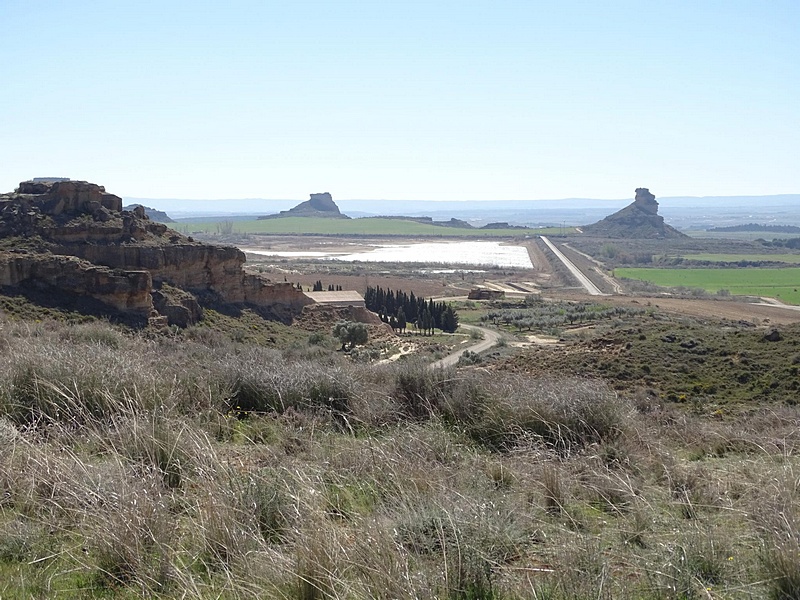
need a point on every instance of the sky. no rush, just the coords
(416, 100)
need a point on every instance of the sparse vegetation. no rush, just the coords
(308, 479)
(643, 456)
(552, 317)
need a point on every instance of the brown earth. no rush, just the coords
(731, 310)
(451, 285)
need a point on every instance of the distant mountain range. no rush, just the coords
(682, 212)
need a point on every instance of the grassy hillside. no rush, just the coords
(366, 227)
(202, 464)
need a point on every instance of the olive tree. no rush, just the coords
(350, 333)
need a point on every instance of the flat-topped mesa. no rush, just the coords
(318, 205)
(323, 202)
(72, 211)
(56, 197)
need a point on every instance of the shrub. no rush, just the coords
(317, 339)
(566, 415)
(269, 384)
(469, 358)
(422, 393)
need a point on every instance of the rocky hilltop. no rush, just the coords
(640, 219)
(153, 214)
(72, 240)
(319, 205)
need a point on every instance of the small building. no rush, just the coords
(482, 293)
(341, 299)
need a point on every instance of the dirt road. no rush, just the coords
(490, 338)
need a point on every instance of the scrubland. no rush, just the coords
(195, 464)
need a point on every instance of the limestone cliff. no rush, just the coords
(640, 219)
(79, 219)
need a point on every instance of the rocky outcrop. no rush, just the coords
(69, 196)
(124, 291)
(319, 205)
(178, 306)
(503, 225)
(79, 219)
(153, 214)
(645, 201)
(640, 219)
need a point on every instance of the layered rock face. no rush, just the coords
(80, 219)
(640, 219)
(125, 291)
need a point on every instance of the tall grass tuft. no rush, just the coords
(423, 393)
(565, 415)
(263, 382)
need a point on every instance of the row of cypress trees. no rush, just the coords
(399, 308)
(331, 288)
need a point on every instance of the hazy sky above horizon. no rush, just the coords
(438, 100)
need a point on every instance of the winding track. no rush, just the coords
(490, 338)
(590, 287)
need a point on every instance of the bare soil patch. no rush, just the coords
(758, 314)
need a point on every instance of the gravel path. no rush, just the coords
(490, 338)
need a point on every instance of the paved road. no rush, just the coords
(591, 288)
(490, 338)
(598, 268)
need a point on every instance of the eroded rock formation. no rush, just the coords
(124, 291)
(640, 219)
(319, 205)
(43, 224)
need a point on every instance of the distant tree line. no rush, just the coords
(398, 309)
(791, 243)
(759, 227)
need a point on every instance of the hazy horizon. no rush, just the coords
(449, 100)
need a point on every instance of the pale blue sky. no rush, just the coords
(431, 100)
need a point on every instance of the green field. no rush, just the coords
(786, 258)
(353, 227)
(734, 235)
(782, 284)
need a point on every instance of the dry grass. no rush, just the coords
(135, 466)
